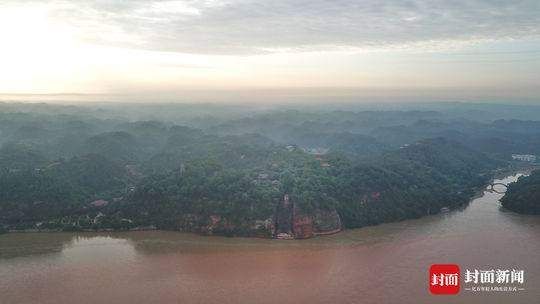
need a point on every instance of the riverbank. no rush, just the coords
(478, 192)
(146, 228)
(356, 265)
(298, 225)
(524, 196)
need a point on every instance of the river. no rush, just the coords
(382, 264)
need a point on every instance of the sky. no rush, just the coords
(268, 50)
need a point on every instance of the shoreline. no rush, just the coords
(84, 230)
(498, 174)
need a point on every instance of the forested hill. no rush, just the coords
(523, 196)
(216, 192)
(416, 180)
(266, 173)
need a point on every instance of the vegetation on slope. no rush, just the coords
(523, 196)
(70, 171)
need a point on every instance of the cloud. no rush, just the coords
(251, 27)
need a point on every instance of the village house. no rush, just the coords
(524, 157)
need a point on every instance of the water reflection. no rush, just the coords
(28, 244)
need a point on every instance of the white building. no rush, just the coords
(524, 157)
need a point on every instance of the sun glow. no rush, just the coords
(39, 55)
(35, 52)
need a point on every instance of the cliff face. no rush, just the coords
(291, 222)
(322, 222)
(326, 222)
(284, 218)
(303, 227)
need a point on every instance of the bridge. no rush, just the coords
(491, 188)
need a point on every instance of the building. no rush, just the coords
(99, 203)
(316, 150)
(524, 157)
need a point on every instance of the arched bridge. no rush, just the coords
(491, 188)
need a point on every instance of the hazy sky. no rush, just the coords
(470, 49)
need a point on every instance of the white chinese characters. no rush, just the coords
(492, 276)
(445, 279)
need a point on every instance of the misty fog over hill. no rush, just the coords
(234, 169)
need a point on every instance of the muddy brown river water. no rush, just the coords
(382, 264)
